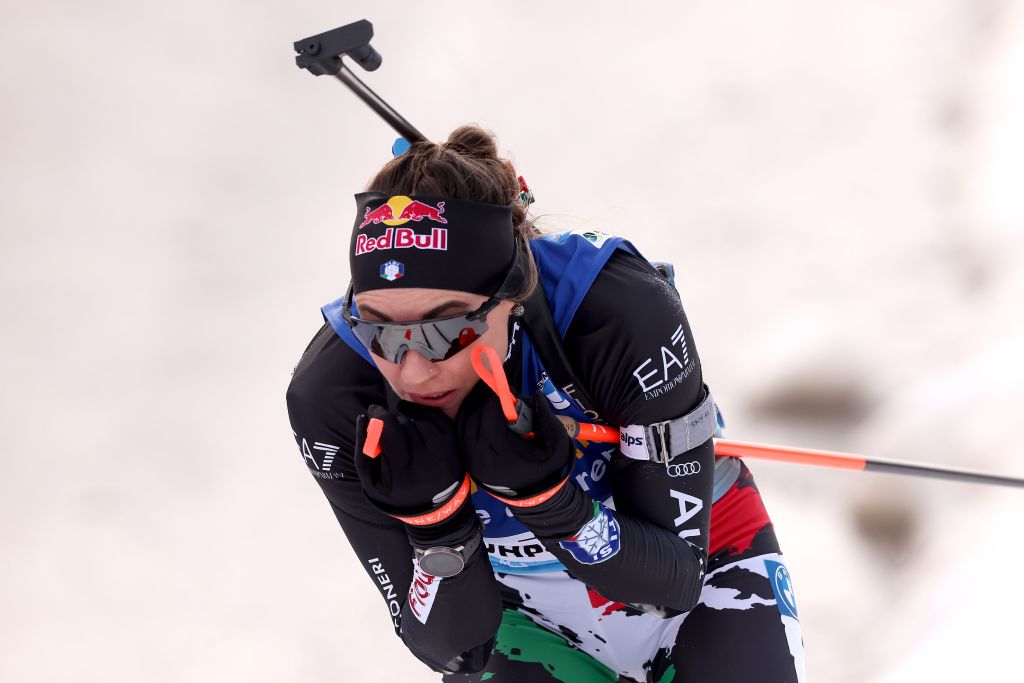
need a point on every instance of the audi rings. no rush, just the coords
(684, 469)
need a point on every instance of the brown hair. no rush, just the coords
(466, 166)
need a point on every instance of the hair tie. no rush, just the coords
(525, 195)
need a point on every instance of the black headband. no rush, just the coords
(433, 242)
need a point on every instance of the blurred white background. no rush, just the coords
(837, 183)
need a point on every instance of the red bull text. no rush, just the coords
(403, 238)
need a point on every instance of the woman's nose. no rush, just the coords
(416, 369)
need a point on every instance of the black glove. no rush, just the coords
(418, 470)
(501, 461)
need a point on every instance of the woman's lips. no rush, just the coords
(435, 400)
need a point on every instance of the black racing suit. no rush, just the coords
(621, 340)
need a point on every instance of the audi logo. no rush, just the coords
(683, 469)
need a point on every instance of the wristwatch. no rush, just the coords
(444, 562)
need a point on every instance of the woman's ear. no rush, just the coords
(505, 307)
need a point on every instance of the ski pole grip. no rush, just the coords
(495, 379)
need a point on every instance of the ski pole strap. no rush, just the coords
(662, 441)
(494, 377)
(517, 413)
(442, 513)
(532, 501)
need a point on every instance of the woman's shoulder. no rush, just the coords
(571, 263)
(629, 307)
(632, 346)
(330, 387)
(331, 377)
(626, 291)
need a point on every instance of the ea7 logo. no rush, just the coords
(328, 452)
(647, 373)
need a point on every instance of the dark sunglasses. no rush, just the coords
(436, 339)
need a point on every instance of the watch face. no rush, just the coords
(441, 562)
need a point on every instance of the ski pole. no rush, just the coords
(585, 431)
(321, 56)
(852, 461)
(518, 413)
(817, 458)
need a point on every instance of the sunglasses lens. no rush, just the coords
(377, 349)
(437, 340)
(466, 336)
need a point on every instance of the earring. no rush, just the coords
(517, 311)
(430, 370)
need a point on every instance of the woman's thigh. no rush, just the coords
(527, 653)
(744, 630)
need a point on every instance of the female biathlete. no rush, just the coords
(509, 557)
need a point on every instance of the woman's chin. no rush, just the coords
(452, 409)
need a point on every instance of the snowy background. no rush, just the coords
(838, 184)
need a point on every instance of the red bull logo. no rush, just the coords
(402, 238)
(399, 210)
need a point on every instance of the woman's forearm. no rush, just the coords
(655, 559)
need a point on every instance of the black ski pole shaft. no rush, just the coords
(948, 473)
(851, 461)
(321, 56)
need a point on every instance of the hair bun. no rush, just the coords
(473, 141)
